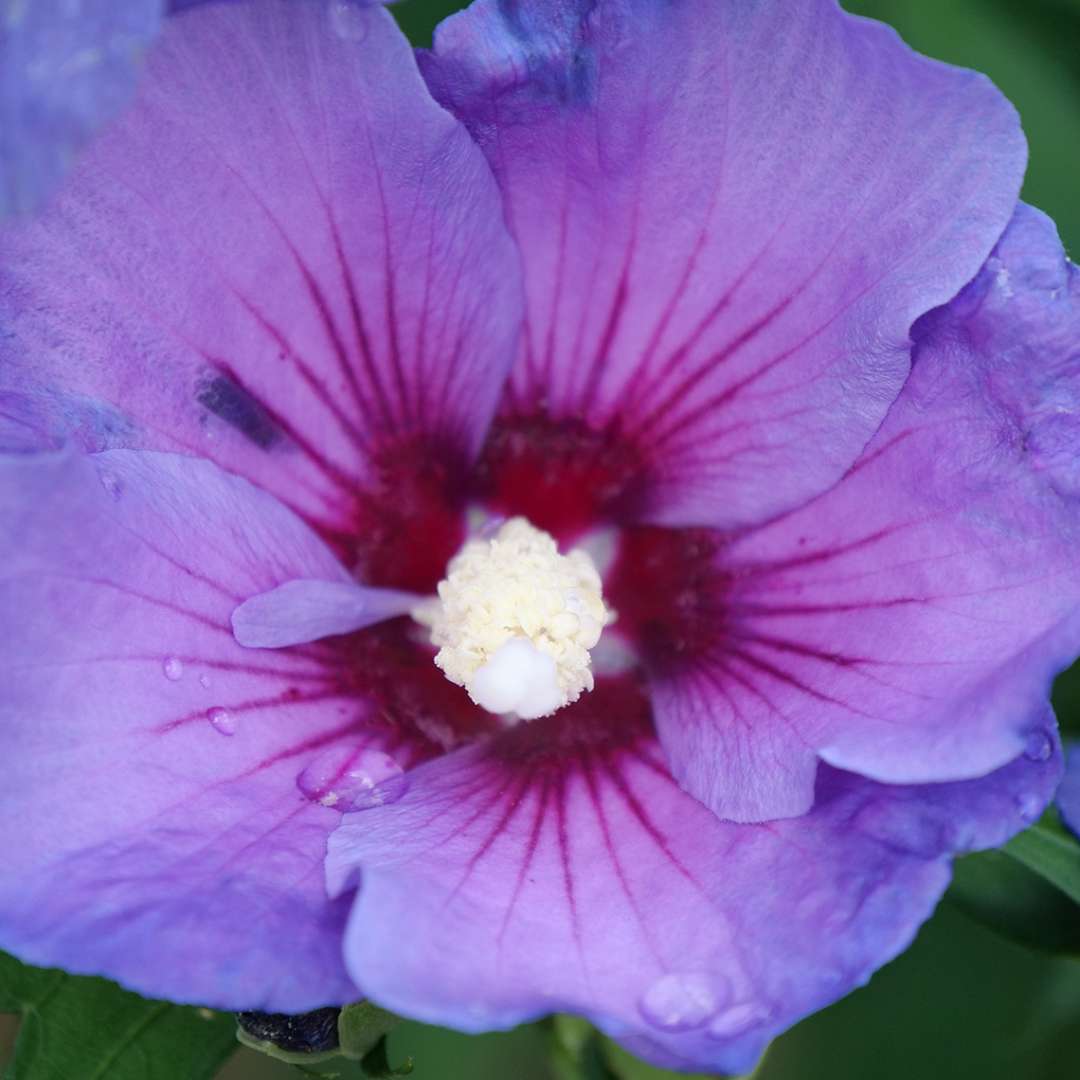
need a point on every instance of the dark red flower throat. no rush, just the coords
(564, 478)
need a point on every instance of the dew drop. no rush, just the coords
(112, 483)
(1040, 747)
(1030, 805)
(221, 720)
(681, 1002)
(737, 1020)
(349, 20)
(349, 780)
(204, 681)
(173, 667)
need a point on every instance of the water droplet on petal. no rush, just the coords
(221, 720)
(349, 20)
(349, 780)
(1030, 805)
(680, 1002)
(204, 681)
(738, 1019)
(1040, 746)
(173, 667)
(111, 483)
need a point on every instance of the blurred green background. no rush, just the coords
(962, 1002)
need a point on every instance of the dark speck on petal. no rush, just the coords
(233, 404)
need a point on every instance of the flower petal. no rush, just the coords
(730, 215)
(907, 624)
(307, 609)
(65, 69)
(561, 868)
(166, 835)
(1068, 795)
(285, 257)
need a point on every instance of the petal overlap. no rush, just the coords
(730, 216)
(560, 867)
(284, 257)
(154, 766)
(907, 623)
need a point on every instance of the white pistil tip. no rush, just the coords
(515, 621)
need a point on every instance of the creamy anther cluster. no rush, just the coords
(515, 621)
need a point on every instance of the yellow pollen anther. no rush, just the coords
(515, 621)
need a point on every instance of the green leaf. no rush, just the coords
(576, 1051)
(91, 1029)
(376, 1065)
(580, 1052)
(625, 1066)
(363, 1027)
(441, 1054)
(1010, 898)
(1052, 853)
(1028, 890)
(961, 1002)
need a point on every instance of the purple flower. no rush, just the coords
(663, 279)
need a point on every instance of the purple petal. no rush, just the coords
(907, 624)
(731, 215)
(171, 788)
(561, 868)
(343, 6)
(285, 257)
(1068, 794)
(65, 70)
(307, 610)
(24, 429)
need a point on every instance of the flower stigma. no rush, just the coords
(514, 621)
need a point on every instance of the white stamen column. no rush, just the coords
(515, 620)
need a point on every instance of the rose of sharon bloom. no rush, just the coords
(735, 299)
